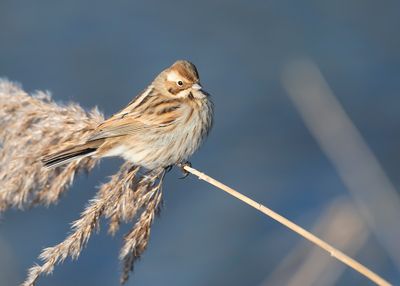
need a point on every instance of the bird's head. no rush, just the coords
(181, 80)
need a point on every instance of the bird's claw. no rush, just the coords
(182, 166)
(168, 168)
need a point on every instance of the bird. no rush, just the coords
(161, 127)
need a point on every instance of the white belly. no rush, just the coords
(161, 149)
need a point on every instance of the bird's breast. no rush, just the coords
(173, 143)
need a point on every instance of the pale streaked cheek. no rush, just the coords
(183, 93)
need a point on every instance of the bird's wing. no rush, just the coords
(130, 123)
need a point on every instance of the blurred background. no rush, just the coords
(307, 122)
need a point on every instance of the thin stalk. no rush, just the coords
(294, 227)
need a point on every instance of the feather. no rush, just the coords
(68, 155)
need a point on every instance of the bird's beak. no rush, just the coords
(196, 86)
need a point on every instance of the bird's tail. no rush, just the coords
(70, 154)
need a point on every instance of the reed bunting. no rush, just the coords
(162, 126)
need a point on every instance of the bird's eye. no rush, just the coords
(179, 82)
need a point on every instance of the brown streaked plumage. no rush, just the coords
(162, 126)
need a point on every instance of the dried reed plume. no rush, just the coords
(32, 126)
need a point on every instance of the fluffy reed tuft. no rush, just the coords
(33, 126)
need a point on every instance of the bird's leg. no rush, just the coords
(182, 165)
(168, 168)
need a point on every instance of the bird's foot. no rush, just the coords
(168, 168)
(182, 166)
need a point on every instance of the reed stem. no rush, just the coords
(294, 227)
